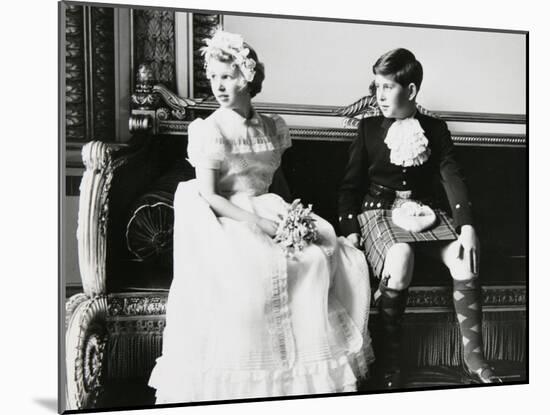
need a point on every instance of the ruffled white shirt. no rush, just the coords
(407, 143)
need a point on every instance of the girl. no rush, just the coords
(243, 320)
(387, 196)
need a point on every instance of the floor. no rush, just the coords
(132, 393)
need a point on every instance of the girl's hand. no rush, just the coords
(469, 247)
(268, 226)
(355, 239)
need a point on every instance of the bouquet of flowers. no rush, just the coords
(296, 229)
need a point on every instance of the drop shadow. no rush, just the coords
(48, 403)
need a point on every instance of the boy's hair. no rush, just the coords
(401, 65)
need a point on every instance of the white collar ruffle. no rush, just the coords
(407, 143)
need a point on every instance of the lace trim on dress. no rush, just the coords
(273, 136)
(407, 142)
(207, 144)
(352, 323)
(316, 377)
(279, 317)
(257, 134)
(358, 350)
(256, 144)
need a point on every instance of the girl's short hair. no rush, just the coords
(401, 65)
(255, 85)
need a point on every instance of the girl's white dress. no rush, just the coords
(242, 319)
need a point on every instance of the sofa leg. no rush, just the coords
(85, 343)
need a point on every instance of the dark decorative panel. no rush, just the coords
(204, 26)
(75, 83)
(89, 79)
(155, 44)
(102, 73)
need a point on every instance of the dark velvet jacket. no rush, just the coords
(369, 162)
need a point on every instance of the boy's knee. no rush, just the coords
(403, 248)
(398, 266)
(400, 254)
(461, 273)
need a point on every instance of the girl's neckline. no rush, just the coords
(237, 116)
(251, 112)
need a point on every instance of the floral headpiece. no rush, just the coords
(233, 45)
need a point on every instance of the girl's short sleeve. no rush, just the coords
(282, 132)
(205, 147)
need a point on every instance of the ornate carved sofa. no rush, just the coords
(114, 328)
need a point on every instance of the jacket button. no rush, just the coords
(457, 206)
(371, 204)
(404, 182)
(350, 216)
(378, 204)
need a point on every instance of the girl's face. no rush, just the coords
(394, 100)
(228, 85)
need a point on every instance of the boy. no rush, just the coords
(388, 195)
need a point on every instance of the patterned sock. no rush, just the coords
(391, 305)
(467, 301)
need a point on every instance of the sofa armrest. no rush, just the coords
(102, 199)
(93, 214)
(85, 341)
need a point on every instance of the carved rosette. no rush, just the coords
(75, 86)
(86, 339)
(154, 41)
(204, 26)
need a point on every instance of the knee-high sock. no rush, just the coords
(467, 301)
(391, 305)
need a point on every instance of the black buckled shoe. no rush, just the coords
(392, 380)
(485, 374)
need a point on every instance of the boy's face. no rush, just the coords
(394, 100)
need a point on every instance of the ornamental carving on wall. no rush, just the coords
(89, 73)
(154, 41)
(75, 105)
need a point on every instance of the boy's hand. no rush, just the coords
(469, 247)
(355, 239)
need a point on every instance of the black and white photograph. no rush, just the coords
(260, 206)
